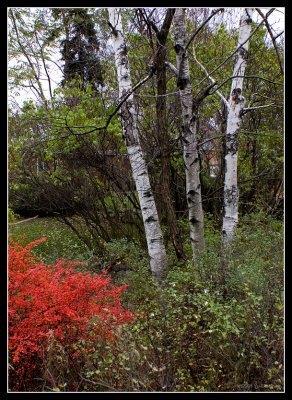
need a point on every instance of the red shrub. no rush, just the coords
(46, 300)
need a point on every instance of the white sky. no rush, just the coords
(276, 20)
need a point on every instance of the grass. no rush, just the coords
(61, 241)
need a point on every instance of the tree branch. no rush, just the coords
(44, 64)
(24, 52)
(202, 26)
(246, 77)
(232, 54)
(279, 34)
(212, 80)
(162, 35)
(245, 110)
(172, 68)
(122, 100)
(205, 92)
(273, 39)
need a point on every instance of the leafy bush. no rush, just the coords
(192, 336)
(53, 309)
(12, 216)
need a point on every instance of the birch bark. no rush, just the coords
(189, 128)
(236, 103)
(156, 248)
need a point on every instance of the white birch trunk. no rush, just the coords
(236, 103)
(189, 127)
(156, 248)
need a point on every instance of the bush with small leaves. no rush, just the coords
(56, 304)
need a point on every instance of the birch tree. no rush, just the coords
(156, 248)
(235, 110)
(236, 104)
(163, 134)
(189, 128)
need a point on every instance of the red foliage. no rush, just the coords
(46, 300)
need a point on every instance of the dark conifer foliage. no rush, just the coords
(80, 47)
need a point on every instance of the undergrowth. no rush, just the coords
(192, 334)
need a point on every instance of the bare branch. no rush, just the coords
(279, 34)
(24, 52)
(273, 39)
(204, 93)
(212, 80)
(23, 220)
(254, 108)
(245, 110)
(235, 51)
(202, 26)
(211, 139)
(246, 77)
(162, 35)
(44, 64)
(172, 68)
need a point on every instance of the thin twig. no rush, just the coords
(212, 80)
(246, 77)
(273, 39)
(240, 45)
(202, 26)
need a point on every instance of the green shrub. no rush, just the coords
(12, 216)
(190, 336)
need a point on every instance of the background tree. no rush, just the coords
(80, 47)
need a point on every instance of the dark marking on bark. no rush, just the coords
(147, 193)
(182, 83)
(155, 240)
(178, 48)
(193, 220)
(243, 52)
(183, 138)
(236, 95)
(231, 144)
(142, 173)
(114, 31)
(195, 160)
(231, 195)
(150, 219)
(124, 51)
(123, 60)
(191, 192)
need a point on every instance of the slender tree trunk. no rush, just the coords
(189, 129)
(236, 102)
(156, 248)
(163, 137)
